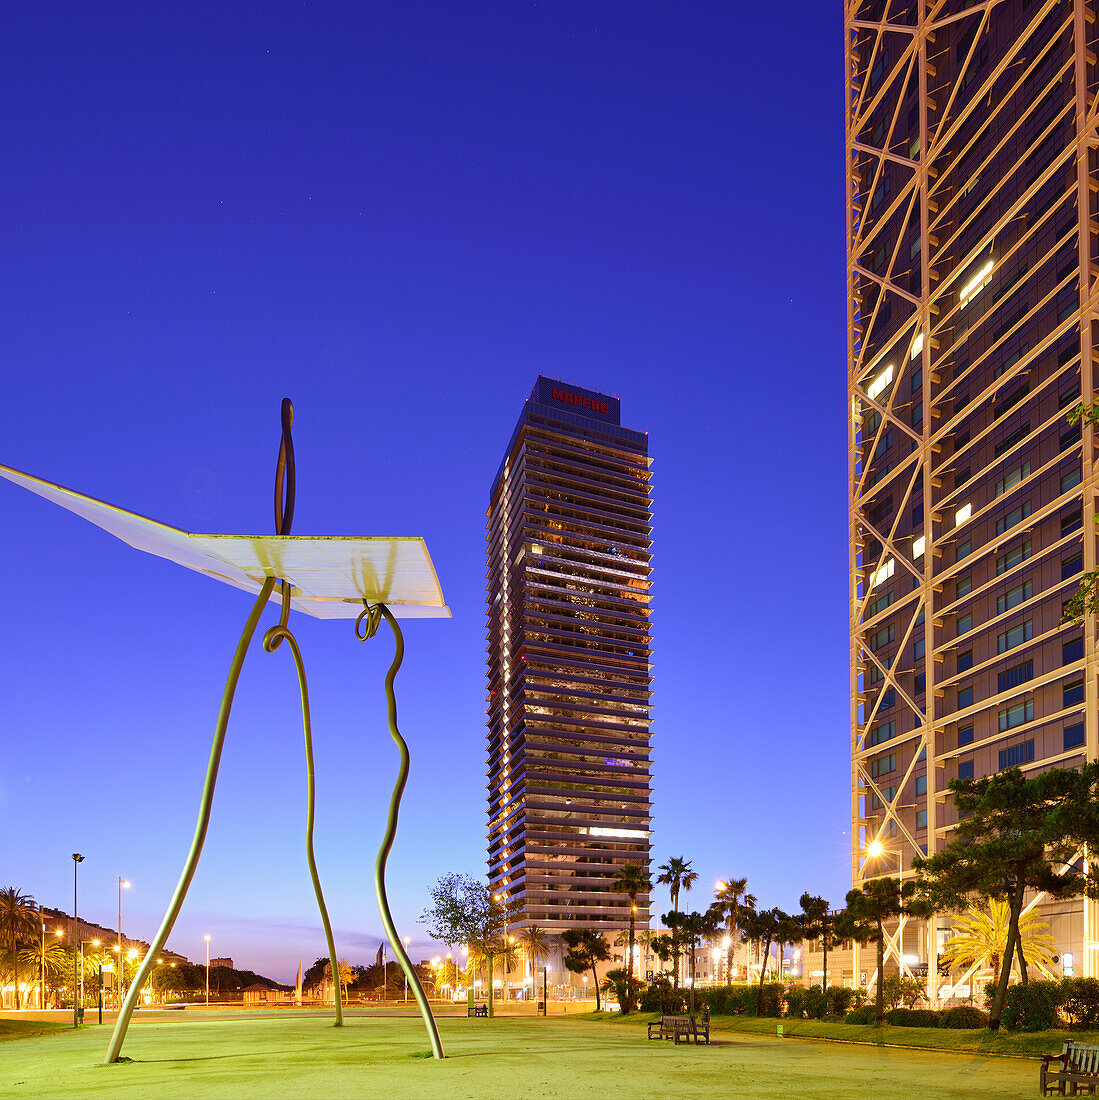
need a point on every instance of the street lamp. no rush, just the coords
(407, 941)
(500, 898)
(77, 860)
(207, 939)
(121, 882)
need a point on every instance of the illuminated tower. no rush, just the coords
(973, 236)
(568, 548)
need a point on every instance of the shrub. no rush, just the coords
(858, 997)
(814, 1003)
(864, 1014)
(1031, 1007)
(660, 997)
(841, 999)
(772, 999)
(795, 1001)
(964, 1016)
(912, 1017)
(1080, 1002)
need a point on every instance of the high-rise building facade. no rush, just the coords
(568, 549)
(973, 240)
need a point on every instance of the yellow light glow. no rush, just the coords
(962, 514)
(874, 849)
(918, 546)
(125, 884)
(978, 282)
(719, 885)
(95, 943)
(883, 574)
(880, 382)
(917, 346)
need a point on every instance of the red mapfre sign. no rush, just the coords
(579, 400)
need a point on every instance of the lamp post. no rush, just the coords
(207, 939)
(501, 900)
(121, 882)
(407, 941)
(77, 860)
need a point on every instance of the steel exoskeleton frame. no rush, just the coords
(273, 638)
(1001, 95)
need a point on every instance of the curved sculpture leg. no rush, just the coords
(123, 1021)
(373, 615)
(271, 641)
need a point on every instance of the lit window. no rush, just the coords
(977, 283)
(917, 346)
(884, 573)
(918, 546)
(880, 382)
(962, 514)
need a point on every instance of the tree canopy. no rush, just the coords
(586, 948)
(1016, 833)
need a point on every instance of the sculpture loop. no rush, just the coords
(284, 472)
(373, 616)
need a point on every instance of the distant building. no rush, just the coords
(568, 547)
(222, 962)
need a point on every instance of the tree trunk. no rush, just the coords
(628, 1007)
(824, 980)
(595, 979)
(15, 968)
(1005, 970)
(762, 974)
(489, 962)
(879, 1008)
(1021, 958)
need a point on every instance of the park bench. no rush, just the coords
(667, 1026)
(477, 1010)
(1073, 1072)
(680, 1028)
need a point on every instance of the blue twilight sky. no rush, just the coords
(398, 214)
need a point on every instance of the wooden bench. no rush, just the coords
(1073, 1072)
(680, 1028)
(698, 1030)
(477, 1010)
(668, 1026)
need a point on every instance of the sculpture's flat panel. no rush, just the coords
(331, 576)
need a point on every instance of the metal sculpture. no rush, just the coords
(325, 577)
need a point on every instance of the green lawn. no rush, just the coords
(229, 1055)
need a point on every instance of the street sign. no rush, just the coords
(648, 975)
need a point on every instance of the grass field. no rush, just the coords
(234, 1055)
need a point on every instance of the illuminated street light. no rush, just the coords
(77, 860)
(121, 883)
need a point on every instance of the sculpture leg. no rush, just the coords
(373, 615)
(271, 641)
(123, 1021)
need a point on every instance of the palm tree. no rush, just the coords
(732, 902)
(980, 937)
(632, 879)
(676, 874)
(534, 940)
(19, 921)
